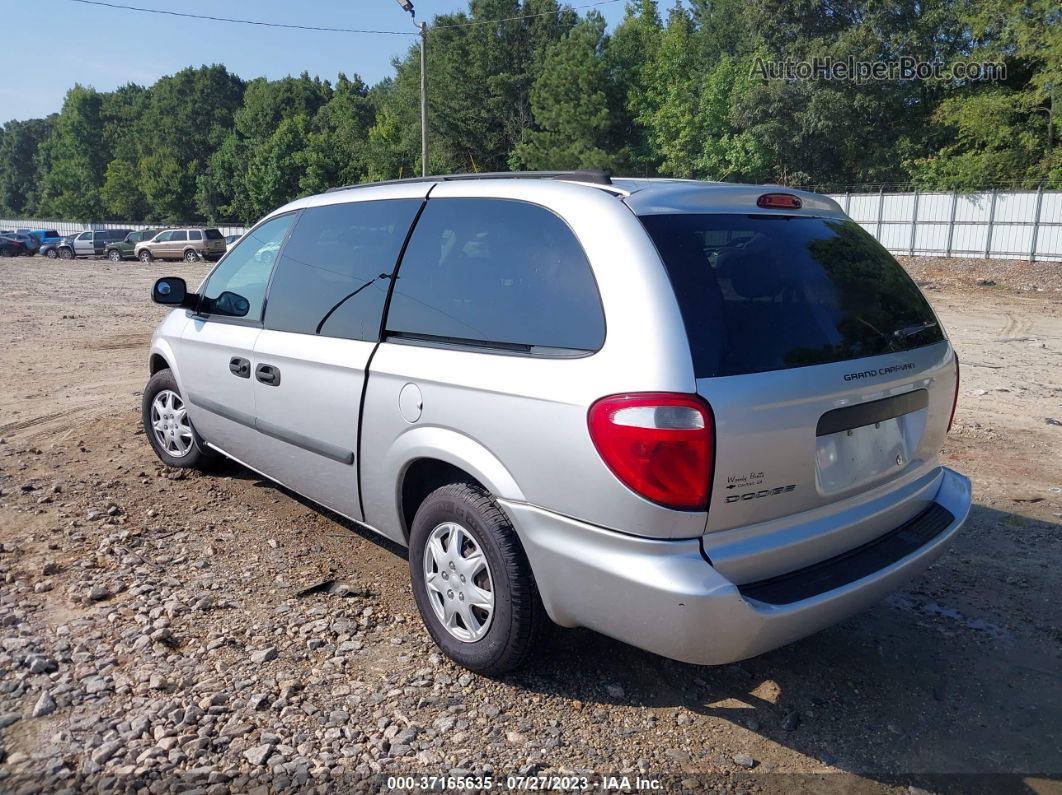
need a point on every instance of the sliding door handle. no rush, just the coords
(267, 374)
(240, 367)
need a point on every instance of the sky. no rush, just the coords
(62, 42)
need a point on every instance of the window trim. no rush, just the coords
(488, 346)
(242, 321)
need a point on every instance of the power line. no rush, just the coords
(241, 21)
(264, 24)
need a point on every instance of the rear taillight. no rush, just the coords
(660, 445)
(955, 398)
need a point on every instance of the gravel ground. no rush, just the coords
(157, 633)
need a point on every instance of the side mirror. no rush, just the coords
(171, 291)
(232, 304)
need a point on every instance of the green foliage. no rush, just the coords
(549, 90)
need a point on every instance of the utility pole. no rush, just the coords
(424, 99)
(407, 6)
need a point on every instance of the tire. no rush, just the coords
(517, 621)
(52, 254)
(65, 253)
(114, 255)
(191, 255)
(145, 256)
(6, 252)
(195, 453)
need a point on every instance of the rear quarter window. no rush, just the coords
(771, 292)
(496, 272)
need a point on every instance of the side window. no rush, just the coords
(195, 234)
(496, 271)
(333, 276)
(181, 235)
(85, 236)
(164, 237)
(240, 279)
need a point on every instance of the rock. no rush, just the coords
(39, 664)
(50, 568)
(157, 682)
(264, 655)
(45, 705)
(258, 701)
(985, 283)
(102, 754)
(744, 760)
(259, 754)
(7, 718)
(615, 691)
(791, 721)
(98, 593)
(515, 738)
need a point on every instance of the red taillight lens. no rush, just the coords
(779, 201)
(659, 445)
(955, 399)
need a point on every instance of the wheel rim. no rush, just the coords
(115, 256)
(145, 257)
(52, 254)
(190, 256)
(458, 581)
(169, 423)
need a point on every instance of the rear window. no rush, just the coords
(213, 234)
(771, 292)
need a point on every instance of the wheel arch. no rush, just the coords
(431, 457)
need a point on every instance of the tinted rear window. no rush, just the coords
(496, 272)
(770, 292)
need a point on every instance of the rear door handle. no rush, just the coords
(267, 374)
(240, 367)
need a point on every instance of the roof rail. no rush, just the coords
(593, 176)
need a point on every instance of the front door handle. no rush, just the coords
(240, 367)
(267, 374)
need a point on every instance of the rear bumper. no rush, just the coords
(663, 596)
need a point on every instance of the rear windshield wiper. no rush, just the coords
(910, 331)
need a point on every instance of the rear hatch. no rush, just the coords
(830, 377)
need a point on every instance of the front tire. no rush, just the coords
(168, 428)
(472, 581)
(145, 257)
(191, 255)
(65, 253)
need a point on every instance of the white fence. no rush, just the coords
(73, 227)
(998, 224)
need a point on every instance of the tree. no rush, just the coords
(19, 166)
(73, 158)
(121, 191)
(570, 103)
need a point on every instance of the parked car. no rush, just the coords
(189, 244)
(30, 244)
(51, 248)
(91, 243)
(230, 240)
(125, 249)
(704, 419)
(11, 247)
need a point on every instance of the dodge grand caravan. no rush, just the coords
(701, 418)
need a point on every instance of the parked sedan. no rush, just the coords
(29, 242)
(10, 247)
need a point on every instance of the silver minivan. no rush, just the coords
(702, 418)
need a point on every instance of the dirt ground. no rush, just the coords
(153, 635)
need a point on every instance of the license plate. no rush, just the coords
(855, 456)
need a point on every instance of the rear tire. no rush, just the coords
(52, 254)
(163, 411)
(517, 620)
(114, 255)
